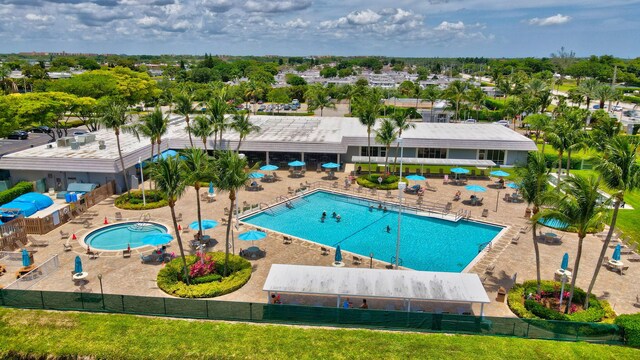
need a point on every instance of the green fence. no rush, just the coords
(306, 315)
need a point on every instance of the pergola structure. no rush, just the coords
(428, 161)
(443, 287)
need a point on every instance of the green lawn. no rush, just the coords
(567, 85)
(40, 333)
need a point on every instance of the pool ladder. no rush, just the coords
(393, 261)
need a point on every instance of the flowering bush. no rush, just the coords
(203, 266)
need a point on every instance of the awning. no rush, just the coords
(425, 161)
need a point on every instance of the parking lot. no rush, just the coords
(8, 146)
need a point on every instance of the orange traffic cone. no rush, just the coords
(88, 249)
(179, 227)
(74, 237)
(105, 220)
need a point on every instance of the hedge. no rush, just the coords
(240, 273)
(631, 99)
(371, 181)
(154, 200)
(576, 161)
(18, 189)
(630, 324)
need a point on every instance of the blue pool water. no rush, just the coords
(118, 236)
(426, 243)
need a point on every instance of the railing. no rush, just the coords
(13, 234)
(34, 276)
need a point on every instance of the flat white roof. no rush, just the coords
(376, 283)
(426, 161)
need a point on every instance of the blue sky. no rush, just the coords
(426, 28)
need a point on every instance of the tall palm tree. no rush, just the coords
(476, 96)
(318, 98)
(171, 182)
(605, 93)
(540, 92)
(558, 138)
(620, 171)
(217, 107)
(230, 176)
(533, 187)
(195, 168)
(184, 107)
(386, 135)
(202, 128)
(115, 117)
(243, 126)
(604, 130)
(431, 94)
(151, 126)
(368, 108)
(588, 88)
(402, 122)
(537, 123)
(456, 93)
(578, 206)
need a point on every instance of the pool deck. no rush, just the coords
(130, 276)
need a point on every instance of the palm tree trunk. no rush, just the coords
(395, 159)
(431, 116)
(204, 142)
(197, 187)
(560, 153)
(124, 173)
(238, 148)
(575, 274)
(368, 147)
(186, 118)
(215, 140)
(537, 252)
(386, 160)
(568, 161)
(232, 198)
(175, 228)
(544, 141)
(605, 245)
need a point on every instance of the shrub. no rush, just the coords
(153, 198)
(206, 279)
(542, 311)
(630, 325)
(239, 268)
(371, 181)
(18, 189)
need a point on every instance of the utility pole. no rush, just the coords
(613, 82)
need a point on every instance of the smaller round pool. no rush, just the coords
(118, 236)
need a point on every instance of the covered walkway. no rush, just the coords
(427, 161)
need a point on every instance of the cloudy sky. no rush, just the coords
(418, 28)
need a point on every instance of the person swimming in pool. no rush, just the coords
(370, 208)
(379, 206)
(388, 228)
(338, 217)
(333, 215)
(384, 209)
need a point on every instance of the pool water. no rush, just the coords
(119, 236)
(426, 243)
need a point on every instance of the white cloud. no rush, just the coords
(39, 18)
(276, 6)
(363, 17)
(551, 20)
(297, 23)
(448, 26)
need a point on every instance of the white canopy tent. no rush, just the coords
(375, 283)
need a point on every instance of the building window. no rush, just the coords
(497, 156)
(432, 153)
(375, 151)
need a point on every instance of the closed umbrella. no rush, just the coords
(206, 225)
(331, 165)
(26, 260)
(268, 168)
(565, 261)
(499, 173)
(78, 265)
(256, 175)
(338, 258)
(297, 163)
(475, 188)
(211, 190)
(157, 239)
(616, 253)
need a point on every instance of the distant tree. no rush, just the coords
(386, 135)
(329, 72)
(295, 80)
(184, 107)
(318, 98)
(202, 128)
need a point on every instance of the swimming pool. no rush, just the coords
(426, 243)
(118, 236)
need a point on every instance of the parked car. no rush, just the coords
(41, 130)
(470, 121)
(18, 135)
(79, 132)
(295, 102)
(286, 107)
(503, 122)
(262, 108)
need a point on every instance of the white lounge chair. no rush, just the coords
(35, 242)
(628, 250)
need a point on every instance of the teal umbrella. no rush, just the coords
(331, 165)
(338, 257)
(78, 265)
(211, 190)
(475, 188)
(459, 170)
(553, 223)
(415, 177)
(206, 224)
(513, 185)
(499, 173)
(268, 168)
(297, 163)
(252, 235)
(157, 239)
(256, 175)
(565, 261)
(616, 253)
(26, 260)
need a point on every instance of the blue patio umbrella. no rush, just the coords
(338, 257)
(26, 260)
(297, 163)
(499, 173)
(331, 165)
(157, 239)
(513, 185)
(268, 168)
(252, 235)
(459, 170)
(553, 223)
(565, 261)
(256, 175)
(475, 188)
(415, 177)
(616, 253)
(206, 224)
(211, 190)
(78, 265)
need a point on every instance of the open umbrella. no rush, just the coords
(338, 258)
(206, 224)
(565, 261)
(268, 168)
(459, 170)
(297, 163)
(475, 188)
(252, 235)
(616, 253)
(157, 239)
(553, 223)
(415, 177)
(513, 185)
(78, 265)
(211, 190)
(26, 260)
(499, 173)
(256, 175)
(331, 165)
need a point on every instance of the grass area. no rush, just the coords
(549, 150)
(410, 169)
(52, 334)
(567, 85)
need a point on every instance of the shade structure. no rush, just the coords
(26, 260)
(513, 185)
(157, 239)
(415, 177)
(331, 165)
(338, 257)
(297, 163)
(616, 253)
(268, 168)
(256, 175)
(553, 223)
(475, 188)
(459, 170)
(206, 224)
(499, 173)
(211, 189)
(252, 235)
(78, 265)
(565, 261)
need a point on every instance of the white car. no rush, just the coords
(505, 123)
(470, 121)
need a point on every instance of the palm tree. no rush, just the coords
(230, 176)
(620, 171)
(605, 93)
(533, 188)
(386, 135)
(431, 94)
(202, 128)
(402, 122)
(537, 123)
(152, 126)
(243, 126)
(318, 98)
(604, 130)
(170, 181)
(115, 117)
(217, 107)
(559, 140)
(588, 88)
(368, 108)
(195, 169)
(476, 96)
(578, 206)
(456, 93)
(539, 91)
(184, 107)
